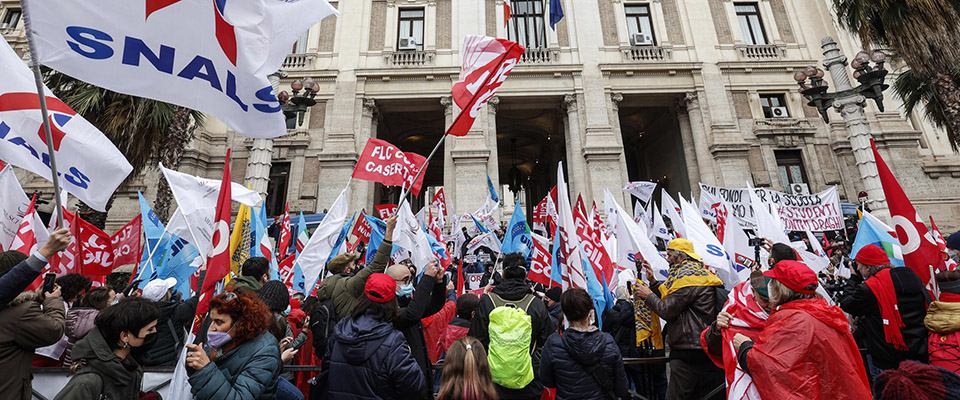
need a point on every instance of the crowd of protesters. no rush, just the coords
(389, 331)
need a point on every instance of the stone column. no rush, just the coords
(850, 106)
(621, 196)
(261, 153)
(574, 143)
(698, 132)
(689, 144)
(603, 158)
(363, 190)
(449, 168)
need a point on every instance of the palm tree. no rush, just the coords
(926, 35)
(143, 130)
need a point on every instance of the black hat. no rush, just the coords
(554, 293)
(275, 295)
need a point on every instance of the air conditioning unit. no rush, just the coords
(779, 112)
(640, 39)
(407, 43)
(799, 188)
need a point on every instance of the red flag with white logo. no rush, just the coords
(218, 262)
(592, 247)
(383, 162)
(286, 271)
(920, 251)
(441, 203)
(285, 233)
(362, 228)
(486, 63)
(126, 242)
(26, 240)
(385, 210)
(540, 263)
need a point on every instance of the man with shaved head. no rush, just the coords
(415, 304)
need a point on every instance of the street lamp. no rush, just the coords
(296, 106)
(849, 102)
(870, 78)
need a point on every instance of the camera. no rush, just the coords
(756, 242)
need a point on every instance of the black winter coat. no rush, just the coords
(165, 351)
(428, 299)
(912, 301)
(620, 323)
(369, 359)
(542, 327)
(555, 313)
(566, 359)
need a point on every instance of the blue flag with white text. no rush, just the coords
(517, 238)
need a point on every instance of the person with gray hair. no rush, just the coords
(881, 293)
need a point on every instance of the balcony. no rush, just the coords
(295, 62)
(406, 58)
(761, 51)
(540, 55)
(647, 53)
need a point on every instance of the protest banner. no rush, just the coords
(383, 162)
(815, 212)
(473, 281)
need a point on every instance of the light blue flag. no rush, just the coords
(342, 237)
(176, 264)
(870, 233)
(479, 225)
(594, 287)
(153, 230)
(517, 238)
(377, 230)
(297, 281)
(556, 264)
(493, 191)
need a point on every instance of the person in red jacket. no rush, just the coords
(459, 326)
(806, 350)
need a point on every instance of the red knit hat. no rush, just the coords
(380, 288)
(872, 255)
(794, 275)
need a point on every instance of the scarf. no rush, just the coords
(882, 287)
(688, 273)
(647, 323)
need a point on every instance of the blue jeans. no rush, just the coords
(286, 390)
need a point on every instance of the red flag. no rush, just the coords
(486, 63)
(385, 210)
(286, 271)
(218, 262)
(26, 239)
(126, 242)
(63, 262)
(285, 233)
(942, 246)
(540, 264)
(506, 11)
(440, 202)
(362, 228)
(598, 257)
(96, 250)
(920, 251)
(385, 163)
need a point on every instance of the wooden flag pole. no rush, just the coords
(35, 66)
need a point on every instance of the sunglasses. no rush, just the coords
(229, 296)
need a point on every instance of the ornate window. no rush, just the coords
(751, 25)
(526, 25)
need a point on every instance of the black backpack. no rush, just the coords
(323, 318)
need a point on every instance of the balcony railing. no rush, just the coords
(297, 62)
(761, 51)
(540, 55)
(418, 58)
(647, 53)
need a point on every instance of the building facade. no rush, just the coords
(674, 91)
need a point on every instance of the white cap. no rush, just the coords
(156, 288)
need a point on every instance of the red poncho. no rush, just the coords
(806, 351)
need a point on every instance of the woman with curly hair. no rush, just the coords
(241, 360)
(466, 374)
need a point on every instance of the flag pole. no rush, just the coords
(406, 191)
(152, 250)
(35, 66)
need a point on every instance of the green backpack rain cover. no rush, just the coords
(510, 352)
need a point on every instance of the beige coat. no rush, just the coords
(24, 326)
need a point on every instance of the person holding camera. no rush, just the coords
(32, 319)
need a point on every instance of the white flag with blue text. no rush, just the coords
(209, 55)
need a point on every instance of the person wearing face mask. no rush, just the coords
(745, 312)
(415, 304)
(241, 360)
(583, 362)
(106, 362)
(81, 318)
